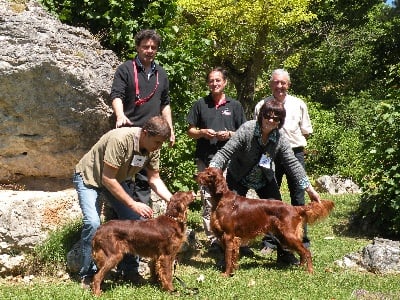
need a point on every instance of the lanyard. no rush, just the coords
(140, 101)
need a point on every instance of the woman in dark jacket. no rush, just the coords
(248, 157)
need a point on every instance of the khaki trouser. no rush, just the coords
(206, 198)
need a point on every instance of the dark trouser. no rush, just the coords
(141, 188)
(296, 193)
(140, 191)
(270, 191)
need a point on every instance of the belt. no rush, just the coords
(298, 149)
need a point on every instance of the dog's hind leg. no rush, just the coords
(104, 264)
(153, 272)
(293, 242)
(164, 271)
(305, 257)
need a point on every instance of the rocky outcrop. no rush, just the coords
(28, 217)
(54, 88)
(381, 257)
(336, 185)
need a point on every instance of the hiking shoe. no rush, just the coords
(221, 264)
(134, 278)
(215, 248)
(287, 258)
(86, 282)
(246, 251)
(266, 251)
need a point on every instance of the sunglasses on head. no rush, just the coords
(274, 118)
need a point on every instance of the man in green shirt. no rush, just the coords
(117, 156)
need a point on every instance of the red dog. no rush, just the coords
(160, 239)
(235, 218)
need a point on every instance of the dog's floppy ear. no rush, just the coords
(220, 183)
(175, 205)
(218, 180)
(179, 203)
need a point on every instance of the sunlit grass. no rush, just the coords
(257, 278)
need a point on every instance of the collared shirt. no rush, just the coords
(205, 114)
(118, 148)
(297, 122)
(152, 67)
(242, 154)
(123, 87)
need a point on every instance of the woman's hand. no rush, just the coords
(314, 196)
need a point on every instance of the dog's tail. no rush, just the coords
(315, 211)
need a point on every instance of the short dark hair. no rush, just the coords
(218, 69)
(272, 106)
(146, 34)
(157, 126)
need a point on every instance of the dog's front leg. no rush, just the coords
(235, 252)
(228, 242)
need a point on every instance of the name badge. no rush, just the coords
(138, 160)
(265, 161)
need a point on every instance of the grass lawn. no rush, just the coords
(257, 278)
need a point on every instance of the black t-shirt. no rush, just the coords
(124, 87)
(204, 114)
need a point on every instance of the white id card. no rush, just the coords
(138, 160)
(265, 161)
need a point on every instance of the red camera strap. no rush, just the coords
(140, 101)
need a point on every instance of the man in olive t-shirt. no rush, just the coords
(118, 155)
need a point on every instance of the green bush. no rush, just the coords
(50, 255)
(336, 145)
(320, 158)
(379, 209)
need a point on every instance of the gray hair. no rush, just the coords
(280, 72)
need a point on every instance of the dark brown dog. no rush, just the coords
(160, 239)
(235, 219)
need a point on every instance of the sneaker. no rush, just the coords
(86, 282)
(266, 251)
(246, 251)
(215, 248)
(287, 258)
(134, 278)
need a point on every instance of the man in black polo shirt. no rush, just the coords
(212, 121)
(140, 90)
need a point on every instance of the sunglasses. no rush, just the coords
(274, 118)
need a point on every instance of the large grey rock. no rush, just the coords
(54, 88)
(381, 257)
(27, 218)
(336, 185)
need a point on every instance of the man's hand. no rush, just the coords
(223, 135)
(122, 121)
(142, 209)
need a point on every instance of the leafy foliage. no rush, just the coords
(246, 36)
(344, 49)
(342, 56)
(380, 204)
(256, 276)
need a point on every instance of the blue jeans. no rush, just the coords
(89, 201)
